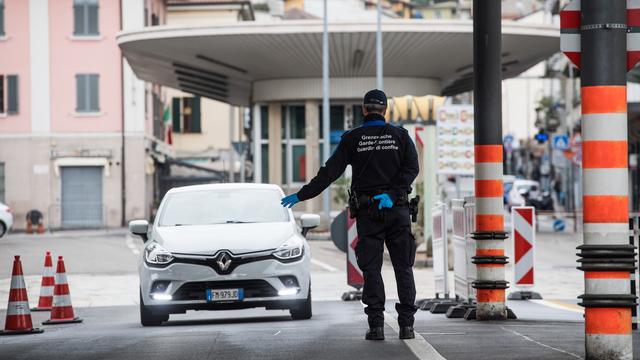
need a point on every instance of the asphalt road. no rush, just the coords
(103, 281)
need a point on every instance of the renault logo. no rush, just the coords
(223, 260)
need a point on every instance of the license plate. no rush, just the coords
(225, 294)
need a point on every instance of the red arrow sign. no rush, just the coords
(570, 32)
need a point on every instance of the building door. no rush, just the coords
(82, 196)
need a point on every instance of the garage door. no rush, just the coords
(81, 196)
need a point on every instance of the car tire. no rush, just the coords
(3, 229)
(148, 318)
(302, 310)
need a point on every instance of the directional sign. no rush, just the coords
(560, 142)
(570, 32)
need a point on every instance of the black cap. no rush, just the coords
(375, 97)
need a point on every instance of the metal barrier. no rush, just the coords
(440, 250)
(470, 227)
(460, 255)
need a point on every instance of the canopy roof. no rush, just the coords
(222, 61)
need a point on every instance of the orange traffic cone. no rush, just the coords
(46, 287)
(18, 315)
(62, 311)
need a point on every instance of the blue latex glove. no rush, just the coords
(385, 201)
(290, 200)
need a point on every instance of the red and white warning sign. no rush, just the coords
(570, 30)
(354, 274)
(524, 240)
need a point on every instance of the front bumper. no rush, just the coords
(261, 280)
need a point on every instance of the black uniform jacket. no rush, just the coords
(382, 156)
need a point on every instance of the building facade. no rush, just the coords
(77, 128)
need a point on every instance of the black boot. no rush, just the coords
(375, 333)
(406, 332)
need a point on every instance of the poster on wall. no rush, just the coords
(455, 140)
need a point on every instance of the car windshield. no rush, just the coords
(223, 206)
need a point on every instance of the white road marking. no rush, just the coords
(567, 307)
(132, 246)
(323, 265)
(418, 346)
(279, 331)
(541, 344)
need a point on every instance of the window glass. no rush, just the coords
(1, 94)
(358, 117)
(2, 33)
(285, 163)
(336, 119)
(12, 94)
(264, 122)
(296, 122)
(265, 163)
(223, 206)
(298, 163)
(87, 93)
(85, 17)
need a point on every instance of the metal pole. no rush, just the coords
(379, 71)
(490, 236)
(606, 256)
(326, 149)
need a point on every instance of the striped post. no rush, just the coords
(606, 256)
(490, 259)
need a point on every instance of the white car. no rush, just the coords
(221, 247)
(6, 219)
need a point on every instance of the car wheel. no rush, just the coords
(147, 318)
(3, 229)
(302, 310)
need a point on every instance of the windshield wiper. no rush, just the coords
(237, 222)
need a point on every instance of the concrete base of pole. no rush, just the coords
(608, 347)
(491, 311)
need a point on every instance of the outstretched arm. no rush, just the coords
(330, 172)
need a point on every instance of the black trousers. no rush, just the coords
(395, 231)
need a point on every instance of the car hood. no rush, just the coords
(237, 238)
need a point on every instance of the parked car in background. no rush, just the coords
(6, 219)
(223, 247)
(520, 187)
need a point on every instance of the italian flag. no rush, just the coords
(166, 118)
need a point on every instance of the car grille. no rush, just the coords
(252, 289)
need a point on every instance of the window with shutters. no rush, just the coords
(186, 115)
(87, 93)
(9, 94)
(2, 33)
(85, 18)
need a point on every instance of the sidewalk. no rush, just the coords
(540, 332)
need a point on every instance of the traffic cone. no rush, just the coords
(62, 310)
(46, 287)
(18, 315)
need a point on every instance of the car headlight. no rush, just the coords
(156, 254)
(290, 250)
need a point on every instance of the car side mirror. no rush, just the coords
(308, 222)
(140, 228)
